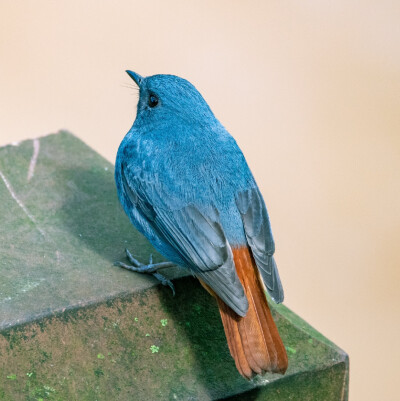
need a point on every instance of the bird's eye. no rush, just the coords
(153, 100)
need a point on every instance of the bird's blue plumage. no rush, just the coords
(184, 183)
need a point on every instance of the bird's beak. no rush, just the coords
(136, 77)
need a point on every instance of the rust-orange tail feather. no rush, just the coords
(253, 340)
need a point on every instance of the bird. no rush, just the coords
(186, 186)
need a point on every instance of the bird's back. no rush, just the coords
(199, 166)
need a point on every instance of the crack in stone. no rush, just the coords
(32, 164)
(20, 204)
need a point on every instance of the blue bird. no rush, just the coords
(186, 186)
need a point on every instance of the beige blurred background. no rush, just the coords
(311, 92)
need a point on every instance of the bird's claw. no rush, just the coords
(151, 268)
(164, 281)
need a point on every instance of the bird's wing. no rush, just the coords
(196, 235)
(259, 236)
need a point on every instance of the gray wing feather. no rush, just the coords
(259, 237)
(196, 236)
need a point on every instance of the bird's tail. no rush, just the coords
(253, 340)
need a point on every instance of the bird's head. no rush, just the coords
(164, 98)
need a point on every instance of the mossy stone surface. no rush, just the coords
(74, 327)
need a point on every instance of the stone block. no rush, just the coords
(74, 327)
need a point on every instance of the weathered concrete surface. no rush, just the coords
(73, 327)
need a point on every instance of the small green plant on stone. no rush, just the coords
(154, 348)
(291, 350)
(164, 322)
(43, 392)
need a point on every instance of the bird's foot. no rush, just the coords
(150, 268)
